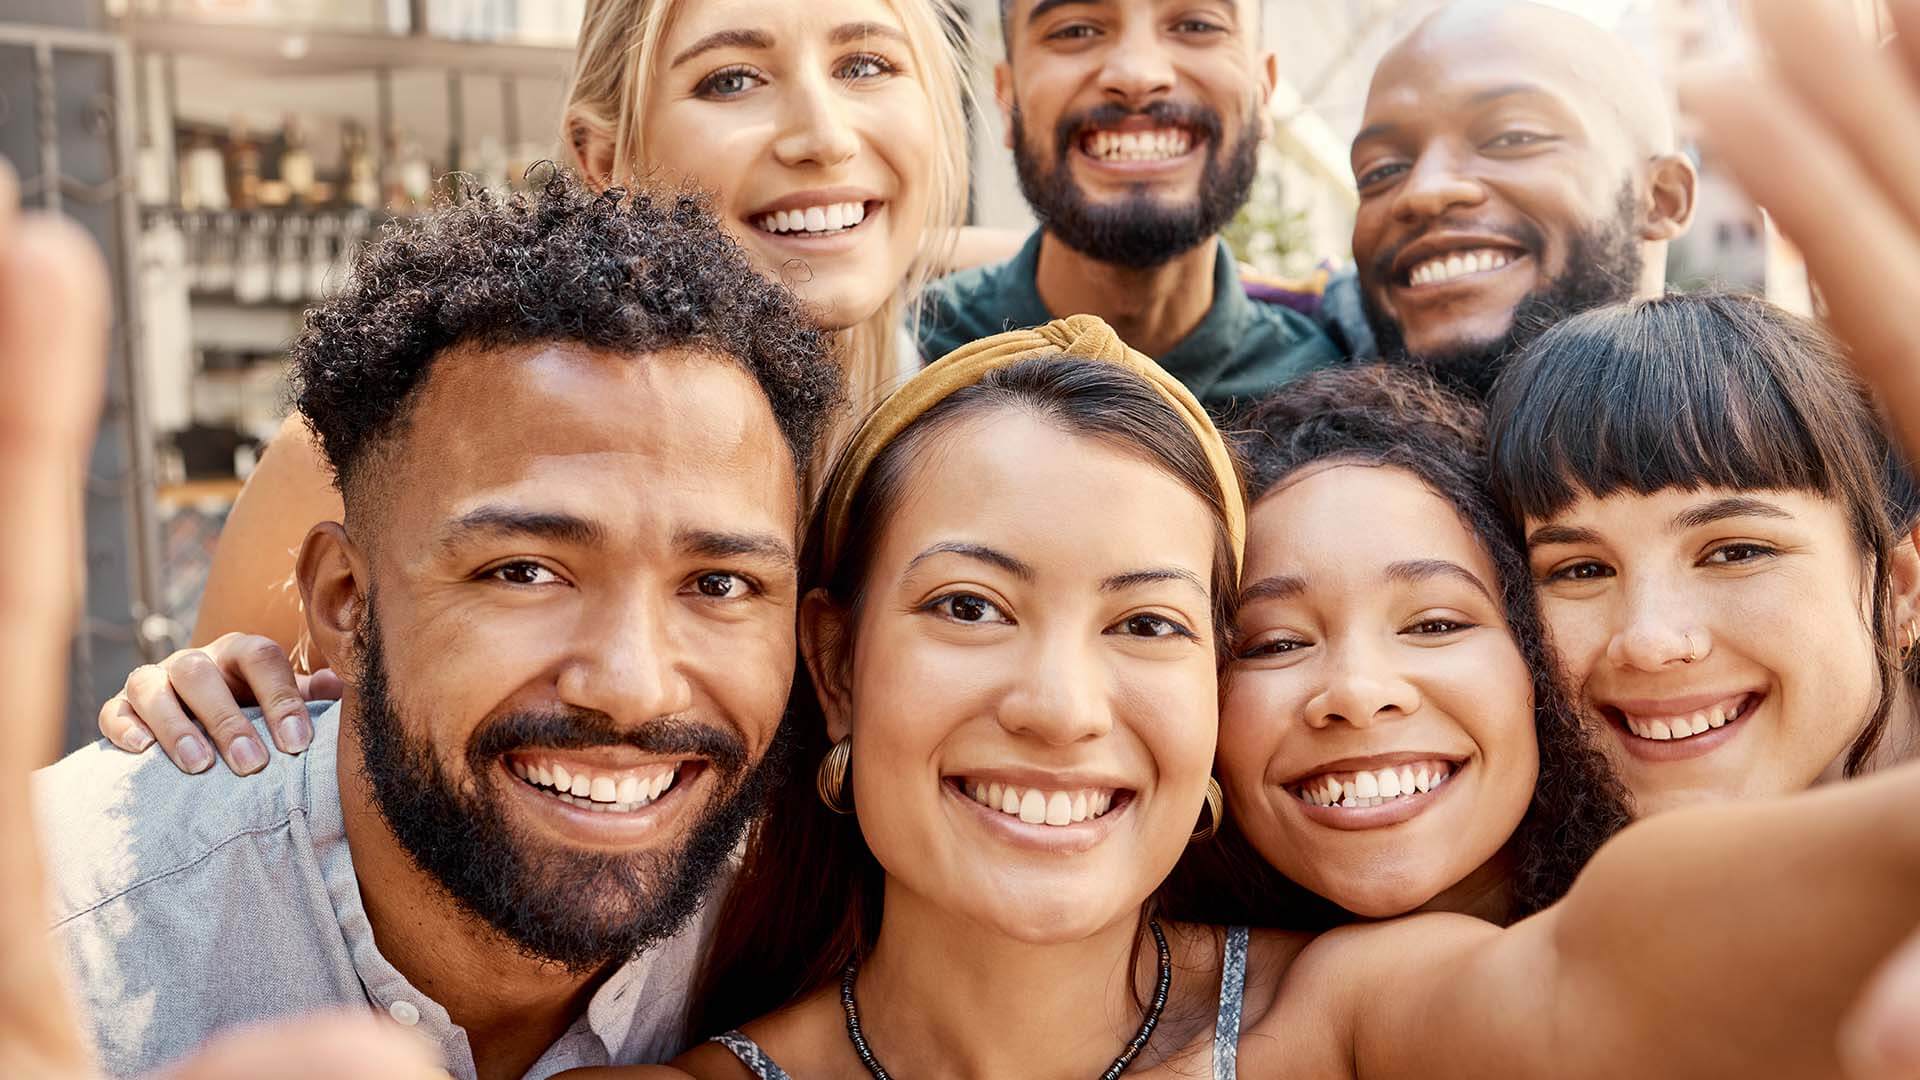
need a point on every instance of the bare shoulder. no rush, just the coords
(805, 1039)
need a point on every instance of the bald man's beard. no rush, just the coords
(1140, 231)
(1603, 266)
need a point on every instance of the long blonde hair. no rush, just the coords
(620, 43)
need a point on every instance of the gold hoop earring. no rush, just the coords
(831, 779)
(1909, 636)
(1216, 812)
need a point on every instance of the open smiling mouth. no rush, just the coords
(827, 219)
(1454, 265)
(1039, 806)
(1364, 788)
(605, 791)
(1152, 144)
(1686, 725)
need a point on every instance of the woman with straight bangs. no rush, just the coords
(1017, 586)
(832, 137)
(1392, 734)
(1703, 487)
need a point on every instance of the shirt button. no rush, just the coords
(404, 1012)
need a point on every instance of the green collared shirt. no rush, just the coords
(1241, 350)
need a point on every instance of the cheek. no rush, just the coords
(1578, 630)
(1254, 718)
(1491, 697)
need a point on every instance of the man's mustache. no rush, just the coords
(585, 729)
(1199, 119)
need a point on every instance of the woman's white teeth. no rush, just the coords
(814, 219)
(1138, 145)
(1666, 728)
(618, 790)
(1037, 807)
(1458, 264)
(1371, 787)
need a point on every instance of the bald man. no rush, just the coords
(1516, 165)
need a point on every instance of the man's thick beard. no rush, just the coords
(581, 910)
(1604, 262)
(1139, 232)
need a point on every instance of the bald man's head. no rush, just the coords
(1516, 164)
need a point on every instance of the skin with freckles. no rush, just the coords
(1678, 601)
(775, 105)
(1518, 130)
(1369, 634)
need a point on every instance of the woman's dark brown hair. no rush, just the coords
(807, 898)
(1394, 416)
(1701, 390)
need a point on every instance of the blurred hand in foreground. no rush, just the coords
(53, 336)
(1825, 135)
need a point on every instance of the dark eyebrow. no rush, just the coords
(1278, 587)
(1562, 534)
(1494, 93)
(1413, 570)
(1045, 6)
(1375, 131)
(1128, 580)
(1721, 509)
(715, 544)
(980, 552)
(854, 31)
(723, 39)
(508, 521)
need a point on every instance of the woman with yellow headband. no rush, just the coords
(1016, 594)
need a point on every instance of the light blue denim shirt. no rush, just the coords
(189, 904)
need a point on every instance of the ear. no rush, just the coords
(332, 573)
(826, 644)
(1906, 580)
(1003, 97)
(1671, 187)
(589, 148)
(1269, 77)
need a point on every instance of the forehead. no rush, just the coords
(1353, 520)
(1068, 504)
(617, 436)
(1019, 12)
(1438, 77)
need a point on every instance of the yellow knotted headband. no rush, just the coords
(1083, 337)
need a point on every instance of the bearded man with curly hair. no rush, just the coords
(569, 431)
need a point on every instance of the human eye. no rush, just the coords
(966, 607)
(523, 572)
(1073, 32)
(728, 82)
(1582, 570)
(724, 585)
(861, 67)
(1152, 626)
(1517, 140)
(1743, 551)
(1379, 174)
(1438, 626)
(1198, 26)
(1271, 647)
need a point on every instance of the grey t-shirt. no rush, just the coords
(190, 904)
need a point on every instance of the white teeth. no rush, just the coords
(582, 785)
(629, 789)
(1037, 807)
(562, 779)
(1458, 264)
(1137, 145)
(609, 792)
(602, 789)
(830, 217)
(1685, 727)
(1372, 787)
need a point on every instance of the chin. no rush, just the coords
(1054, 918)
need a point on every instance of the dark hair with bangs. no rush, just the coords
(1693, 391)
(808, 896)
(1396, 416)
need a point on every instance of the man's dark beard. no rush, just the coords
(582, 910)
(1603, 267)
(1140, 231)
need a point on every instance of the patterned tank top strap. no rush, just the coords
(750, 1055)
(1233, 985)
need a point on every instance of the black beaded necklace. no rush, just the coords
(1134, 1046)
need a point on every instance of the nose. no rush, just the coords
(627, 662)
(1136, 70)
(1361, 688)
(1062, 696)
(1435, 184)
(1657, 629)
(814, 128)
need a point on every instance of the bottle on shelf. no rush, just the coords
(253, 268)
(203, 175)
(360, 185)
(290, 260)
(243, 167)
(296, 163)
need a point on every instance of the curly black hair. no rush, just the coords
(1393, 415)
(629, 271)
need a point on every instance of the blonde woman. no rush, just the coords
(832, 138)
